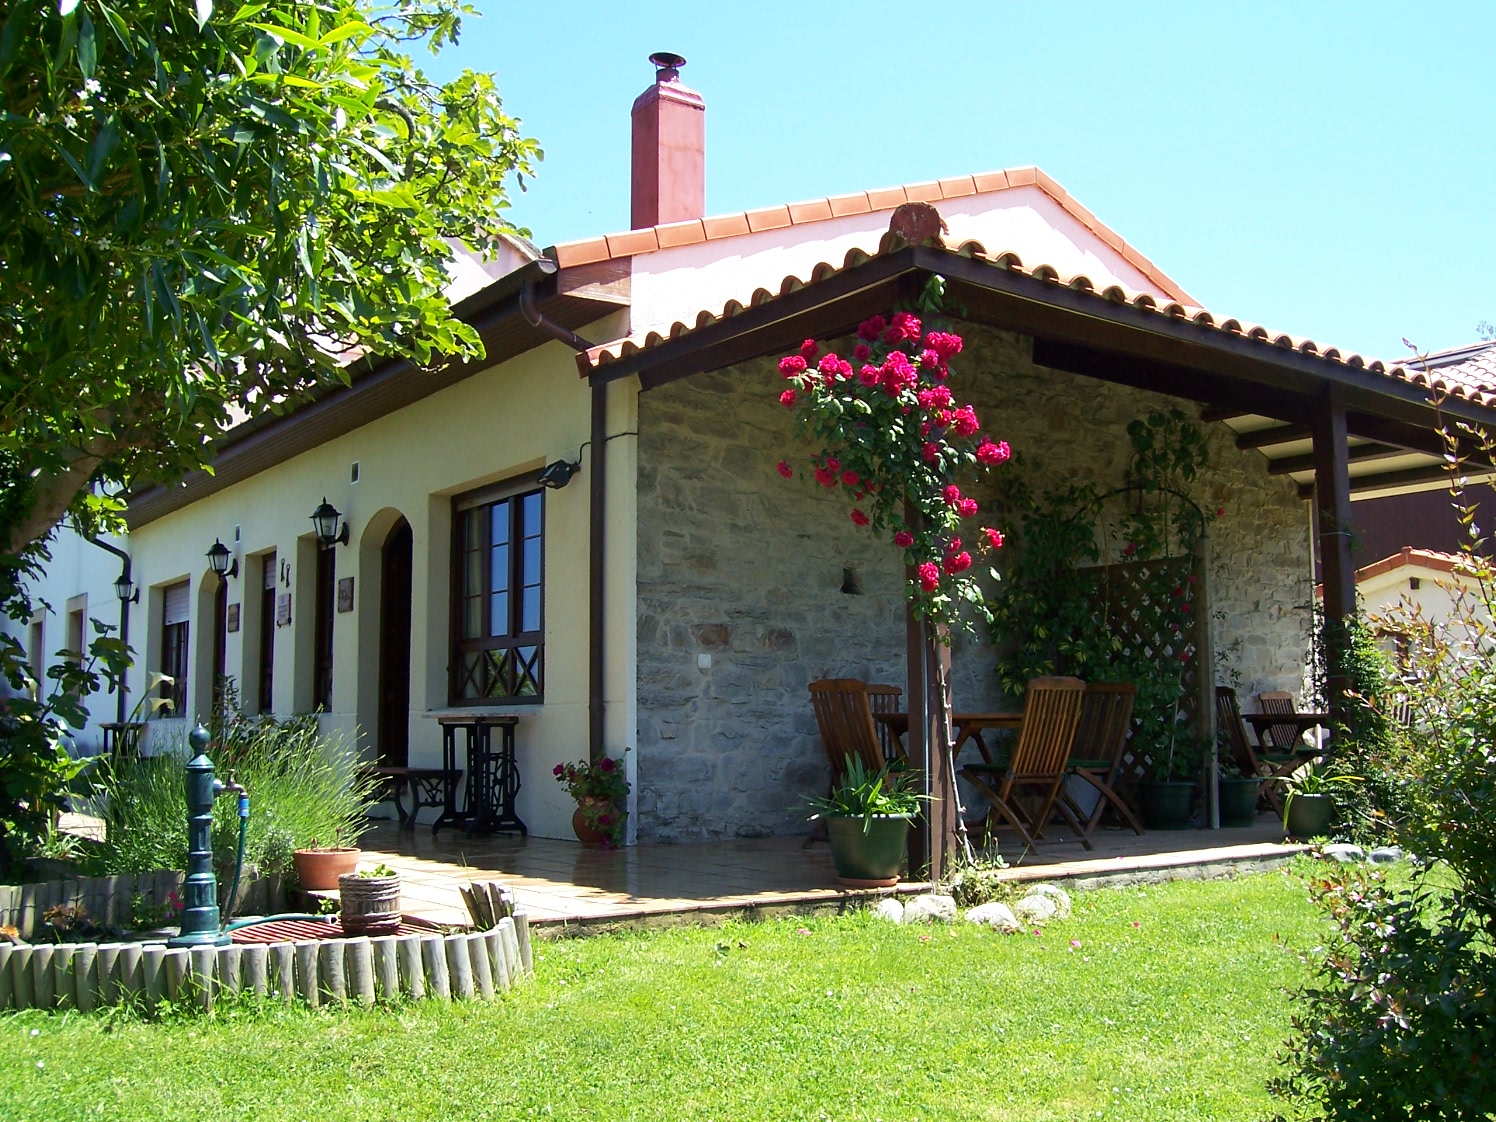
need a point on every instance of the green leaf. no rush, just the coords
(204, 11)
(295, 38)
(88, 50)
(65, 8)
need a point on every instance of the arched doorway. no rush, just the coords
(394, 646)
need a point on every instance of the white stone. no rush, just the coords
(1345, 853)
(1386, 855)
(890, 909)
(999, 917)
(1057, 895)
(923, 909)
(1035, 909)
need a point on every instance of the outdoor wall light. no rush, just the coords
(125, 590)
(325, 519)
(557, 475)
(221, 561)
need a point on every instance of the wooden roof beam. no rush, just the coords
(1359, 454)
(1267, 438)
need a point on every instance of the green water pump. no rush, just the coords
(202, 923)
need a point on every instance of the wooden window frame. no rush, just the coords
(460, 650)
(176, 656)
(324, 603)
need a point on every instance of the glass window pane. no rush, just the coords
(472, 617)
(530, 605)
(531, 512)
(499, 531)
(498, 613)
(498, 576)
(530, 573)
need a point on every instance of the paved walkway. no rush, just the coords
(562, 882)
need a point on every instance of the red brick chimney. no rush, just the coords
(669, 172)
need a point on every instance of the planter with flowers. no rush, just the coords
(599, 788)
(890, 436)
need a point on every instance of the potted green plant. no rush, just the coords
(599, 789)
(1167, 797)
(868, 814)
(370, 900)
(1309, 801)
(1238, 791)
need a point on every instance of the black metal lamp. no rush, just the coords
(221, 561)
(125, 590)
(325, 519)
(557, 475)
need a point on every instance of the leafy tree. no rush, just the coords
(209, 210)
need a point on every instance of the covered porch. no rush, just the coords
(563, 884)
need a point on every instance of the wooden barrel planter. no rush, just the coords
(370, 905)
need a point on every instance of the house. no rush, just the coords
(1434, 586)
(613, 558)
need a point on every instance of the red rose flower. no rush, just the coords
(791, 365)
(966, 508)
(903, 539)
(869, 329)
(858, 518)
(830, 363)
(943, 344)
(925, 427)
(833, 463)
(951, 495)
(787, 399)
(994, 537)
(606, 764)
(1129, 549)
(989, 453)
(809, 350)
(929, 575)
(965, 421)
(862, 352)
(930, 451)
(1220, 512)
(784, 469)
(958, 562)
(903, 326)
(559, 770)
(870, 376)
(850, 478)
(955, 544)
(825, 477)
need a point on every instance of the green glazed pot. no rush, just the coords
(1308, 816)
(1239, 801)
(870, 859)
(1167, 806)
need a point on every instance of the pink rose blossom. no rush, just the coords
(925, 427)
(929, 359)
(951, 495)
(958, 562)
(862, 352)
(787, 399)
(858, 518)
(929, 575)
(809, 350)
(903, 539)
(830, 363)
(966, 508)
(870, 376)
(965, 421)
(791, 366)
(930, 451)
(989, 453)
(869, 329)
(994, 537)
(903, 326)
(944, 344)
(954, 546)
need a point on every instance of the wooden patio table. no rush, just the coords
(1301, 723)
(967, 726)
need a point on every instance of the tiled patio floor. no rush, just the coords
(561, 882)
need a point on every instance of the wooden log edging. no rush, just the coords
(106, 901)
(468, 965)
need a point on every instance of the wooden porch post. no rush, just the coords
(1332, 501)
(918, 697)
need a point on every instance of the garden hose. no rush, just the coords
(228, 904)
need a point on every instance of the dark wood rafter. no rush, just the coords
(1416, 477)
(1359, 454)
(1272, 437)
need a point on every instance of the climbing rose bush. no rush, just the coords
(893, 437)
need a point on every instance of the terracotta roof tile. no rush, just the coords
(958, 188)
(635, 241)
(1468, 372)
(769, 218)
(1427, 558)
(680, 233)
(817, 210)
(630, 242)
(849, 204)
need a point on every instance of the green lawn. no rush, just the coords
(1150, 1004)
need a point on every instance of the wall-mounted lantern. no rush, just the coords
(325, 519)
(125, 590)
(558, 474)
(221, 561)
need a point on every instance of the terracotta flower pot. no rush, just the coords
(370, 905)
(586, 833)
(318, 870)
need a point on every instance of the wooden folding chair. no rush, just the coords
(886, 699)
(1100, 748)
(844, 715)
(1277, 738)
(1271, 767)
(1051, 712)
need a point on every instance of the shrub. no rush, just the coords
(303, 789)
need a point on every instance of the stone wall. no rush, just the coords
(741, 578)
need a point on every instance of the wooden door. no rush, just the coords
(394, 647)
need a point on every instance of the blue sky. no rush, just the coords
(1324, 169)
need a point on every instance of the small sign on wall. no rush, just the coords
(345, 594)
(231, 619)
(283, 609)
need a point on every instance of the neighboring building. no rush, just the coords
(676, 597)
(1437, 587)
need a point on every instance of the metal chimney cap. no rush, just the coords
(666, 60)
